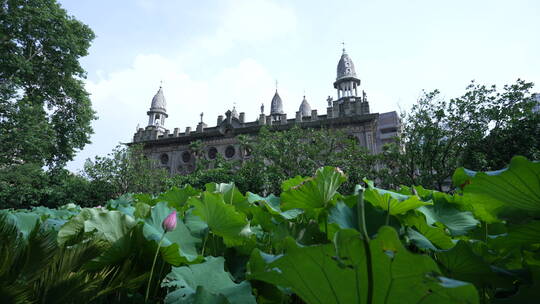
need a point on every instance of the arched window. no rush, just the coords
(186, 156)
(230, 151)
(212, 153)
(164, 159)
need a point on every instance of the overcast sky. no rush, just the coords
(211, 55)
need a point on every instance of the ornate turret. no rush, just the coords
(157, 112)
(234, 113)
(346, 82)
(276, 107)
(305, 108)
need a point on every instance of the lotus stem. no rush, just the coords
(153, 265)
(360, 212)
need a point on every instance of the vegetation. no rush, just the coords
(45, 112)
(480, 130)
(125, 170)
(310, 244)
(275, 156)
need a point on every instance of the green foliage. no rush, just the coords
(310, 244)
(27, 185)
(315, 275)
(481, 130)
(392, 202)
(208, 279)
(125, 170)
(222, 218)
(502, 193)
(45, 112)
(313, 195)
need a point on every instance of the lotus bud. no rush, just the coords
(169, 223)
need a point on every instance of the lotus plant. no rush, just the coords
(168, 224)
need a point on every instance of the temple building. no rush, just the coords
(349, 112)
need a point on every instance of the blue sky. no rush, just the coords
(211, 55)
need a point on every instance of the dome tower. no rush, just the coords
(346, 82)
(157, 112)
(276, 106)
(305, 108)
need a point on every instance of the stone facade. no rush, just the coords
(349, 113)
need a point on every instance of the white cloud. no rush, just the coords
(253, 21)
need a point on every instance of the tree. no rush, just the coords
(125, 170)
(515, 129)
(45, 112)
(476, 130)
(277, 156)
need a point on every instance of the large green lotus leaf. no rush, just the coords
(177, 197)
(45, 212)
(337, 273)
(123, 204)
(345, 217)
(420, 240)
(316, 194)
(463, 264)
(526, 235)
(511, 192)
(400, 276)
(186, 284)
(458, 222)
(434, 234)
(195, 224)
(231, 194)
(24, 221)
(222, 219)
(107, 225)
(273, 205)
(309, 271)
(462, 177)
(443, 210)
(260, 216)
(179, 245)
(142, 210)
(527, 293)
(397, 202)
(202, 296)
(292, 182)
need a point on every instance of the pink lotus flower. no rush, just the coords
(169, 223)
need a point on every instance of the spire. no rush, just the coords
(305, 108)
(158, 109)
(158, 102)
(347, 82)
(276, 106)
(234, 112)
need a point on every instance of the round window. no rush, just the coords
(186, 156)
(229, 152)
(164, 158)
(212, 153)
